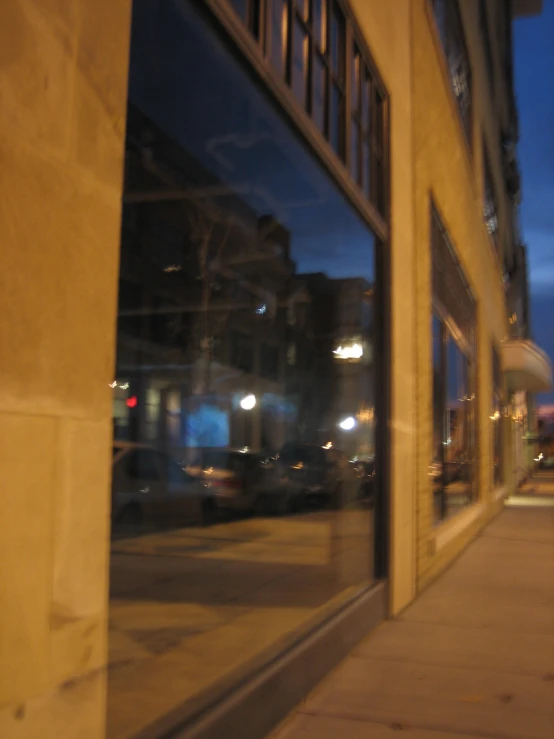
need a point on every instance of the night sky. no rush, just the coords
(534, 80)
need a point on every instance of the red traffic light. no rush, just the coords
(132, 401)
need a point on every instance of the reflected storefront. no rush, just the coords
(246, 434)
(453, 465)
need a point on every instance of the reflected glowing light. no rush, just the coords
(366, 415)
(495, 416)
(355, 351)
(248, 402)
(328, 445)
(348, 424)
(173, 268)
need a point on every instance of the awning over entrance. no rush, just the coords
(527, 367)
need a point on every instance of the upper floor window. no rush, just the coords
(306, 43)
(490, 208)
(451, 32)
(485, 33)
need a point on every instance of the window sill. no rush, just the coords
(450, 529)
(499, 493)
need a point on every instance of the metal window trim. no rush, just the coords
(249, 49)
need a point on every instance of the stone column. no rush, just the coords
(63, 79)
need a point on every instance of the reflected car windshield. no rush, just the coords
(233, 461)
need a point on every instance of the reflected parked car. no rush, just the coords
(365, 473)
(149, 486)
(325, 473)
(245, 481)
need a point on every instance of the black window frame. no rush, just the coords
(451, 32)
(337, 76)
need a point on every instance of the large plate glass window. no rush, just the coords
(246, 356)
(453, 468)
(497, 420)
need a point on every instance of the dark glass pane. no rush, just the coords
(299, 62)
(366, 167)
(355, 81)
(365, 102)
(379, 183)
(338, 34)
(320, 25)
(379, 121)
(241, 6)
(303, 7)
(319, 92)
(140, 464)
(436, 467)
(278, 40)
(355, 169)
(458, 430)
(336, 120)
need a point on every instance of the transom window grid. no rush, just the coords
(313, 46)
(450, 286)
(451, 32)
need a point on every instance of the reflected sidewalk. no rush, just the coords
(472, 657)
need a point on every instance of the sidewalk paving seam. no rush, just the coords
(480, 628)
(409, 725)
(447, 666)
(521, 541)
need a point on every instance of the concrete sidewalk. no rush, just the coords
(472, 657)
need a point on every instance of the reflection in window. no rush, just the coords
(497, 420)
(490, 209)
(452, 469)
(250, 363)
(451, 32)
(279, 30)
(299, 62)
(307, 46)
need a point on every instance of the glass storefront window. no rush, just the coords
(244, 465)
(497, 420)
(453, 466)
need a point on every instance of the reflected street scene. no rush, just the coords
(244, 456)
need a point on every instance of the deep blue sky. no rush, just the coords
(534, 81)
